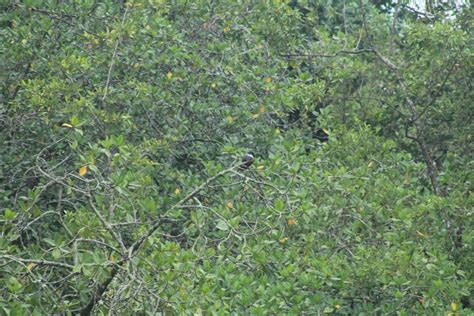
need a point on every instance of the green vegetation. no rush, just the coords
(122, 129)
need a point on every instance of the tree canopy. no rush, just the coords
(123, 125)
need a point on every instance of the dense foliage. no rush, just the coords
(122, 128)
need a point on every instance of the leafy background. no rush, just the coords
(123, 124)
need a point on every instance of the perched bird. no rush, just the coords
(247, 160)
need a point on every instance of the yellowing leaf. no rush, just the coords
(230, 119)
(277, 131)
(454, 306)
(66, 125)
(371, 163)
(83, 170)
(177, 191)
(406, 180)
(213, 85)
(261, 109)
(268, 79)
(226, 29)
(292, 221)
(229, 205)
(260, 167)
(169, 75)
(30, 266)
(328, 310)
(256, 115)
(337, 306)
(420, 234)
(283, 240)
(326, 131)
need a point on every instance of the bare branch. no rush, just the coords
(114, 55)
(133, 249)
(37, 262)
(340, 52)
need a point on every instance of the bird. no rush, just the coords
(247, 160)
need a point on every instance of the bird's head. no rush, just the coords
(247, 160)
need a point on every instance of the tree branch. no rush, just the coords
(135, 247)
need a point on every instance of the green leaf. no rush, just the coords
(279, 205)
(74, 121)
(222, 225)
(9, 214)
(56, 253)
(14, 285)
(50, 241)
(77, 268)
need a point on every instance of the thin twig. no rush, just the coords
(37, 262)
(114, 55)
(340, 52)
(133, 249)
